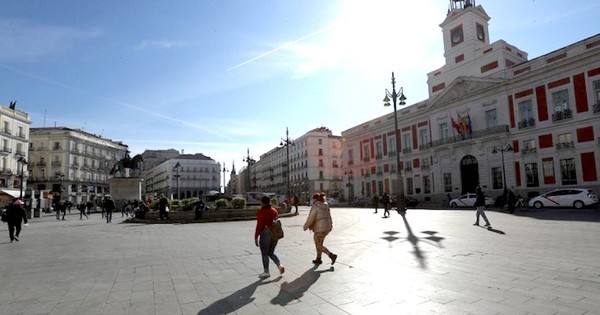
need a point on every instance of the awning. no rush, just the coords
(11, 192)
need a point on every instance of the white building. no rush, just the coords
(492, 114)
(184, 176)
(71, 161)
(14, 137)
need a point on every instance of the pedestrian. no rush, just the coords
(62, 206)
(163, 205)
(319, 221)
(385, 199)
(109, 207)
(376, 202)
(14, 214)
(199, 209)
(296, 202)
(81, 209)
(480, 204)
(262, 236)
(511, 199)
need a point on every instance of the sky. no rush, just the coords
(221, 77)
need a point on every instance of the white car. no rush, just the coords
(565, 197)
(468, 200)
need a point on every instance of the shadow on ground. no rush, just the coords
(586, 215)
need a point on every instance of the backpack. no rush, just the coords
(4, 216)
(276, 230)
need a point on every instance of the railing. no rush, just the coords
(6, 150)
(406, 150)
(378, 156)
(526, 123)
(5, 171)
(42, 149)
(563, 114)
(596, 108)
(6, 131)
(56, 148)
(56, 163)
(528, 150)
(392, 153)
(424, 167)
(473, 135)
(41, 164)
(565, 145)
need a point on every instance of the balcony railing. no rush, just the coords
(424, 167)
(6, 150)
(526, 123)
(378, 156)
(563, 114)
(392, 153)
(528, 150)
(596, 108)
(406, 150)
(565, 145)
(42, 149)
(56, 148)
(475, 134)
(6, 131)
(42, 164)
(56, 163)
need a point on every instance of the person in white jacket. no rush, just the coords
(319, 221)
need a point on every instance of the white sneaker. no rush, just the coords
(264, 275)
(281, 269)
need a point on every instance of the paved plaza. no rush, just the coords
(428, 262)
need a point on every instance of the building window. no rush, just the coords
(321, 163)
(526, 114)
(350, 157)
(596, 96)
(531, 175)
(562, 108)
(426, 185)
(378, 149)
(392, 146)
(447, 182)
(407, 143)
(366, 153)
(490, 118)
(409, 186)
(380, 187)
(320, 152)
(497, 178)
(567, 171)
(444, 131)
(320, 141)
(424, 137)
(529, 146)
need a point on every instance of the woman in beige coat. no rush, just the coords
(319, 221)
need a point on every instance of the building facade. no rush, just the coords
(14, 159)
(183, 176)
(71, 162)
(493, 119)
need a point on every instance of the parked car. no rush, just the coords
(332, 202)
(362, 202)
(565, 197)
(468, 200)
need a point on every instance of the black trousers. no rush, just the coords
(12, 228)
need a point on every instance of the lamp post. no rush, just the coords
(286, 143)
(22, 161)
(177, 166)
(250, 161)
(402, 101)
(225, 170)
(502, 149)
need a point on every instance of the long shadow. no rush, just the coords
(295, 290)
(493, 230)
(584, 215)
(235, 300)
(414, 240)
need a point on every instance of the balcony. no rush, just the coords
(6, 150)
(526, 123)
(528, 151)
(474, 135)
(424, 167)
(562, 115)
(596, 108)
(5, 171)
(406, 150)
(41, 163)
(6, 131)
(565, 145)
(42, 149)
(425, 146)
(392, 153)
(57, 148)
(56, 164)
(379, 156)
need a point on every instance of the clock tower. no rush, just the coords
(465, 30)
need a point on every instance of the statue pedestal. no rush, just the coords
(122, 189)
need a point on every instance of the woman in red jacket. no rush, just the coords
(264, 220)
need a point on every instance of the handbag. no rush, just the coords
(166, 209)
(276, 230)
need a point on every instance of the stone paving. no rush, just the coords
(428, 262)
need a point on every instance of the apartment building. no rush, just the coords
(492, 118)
(71, 161)
(14, 166)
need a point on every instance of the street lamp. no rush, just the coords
(22, 161)
(177, 166)
(286, 143)
(224, 171)
(502, 149)
(250, 161)
(402, 101)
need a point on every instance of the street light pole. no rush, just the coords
(287, 142)
(402, 101)
(224, 171)
(22, 161)
(502, 149)
(177, 166)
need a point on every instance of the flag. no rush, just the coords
(455, 125)
(469, 123)
(462, 123)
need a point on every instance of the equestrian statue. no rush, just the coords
(127, 162)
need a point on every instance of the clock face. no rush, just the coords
(456, 35)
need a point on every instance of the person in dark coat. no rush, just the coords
(109, 207)
(163, 203)
(385, 199)
(15, 213)
(511, 199)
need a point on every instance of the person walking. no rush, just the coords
(109, 207)
(375, 202)
(14, 215)
(480, 204)
(385, 199)
(511, 200)
(296, 202)
(262, 236)
(163, 204)
(319, 221)
(81, 208)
